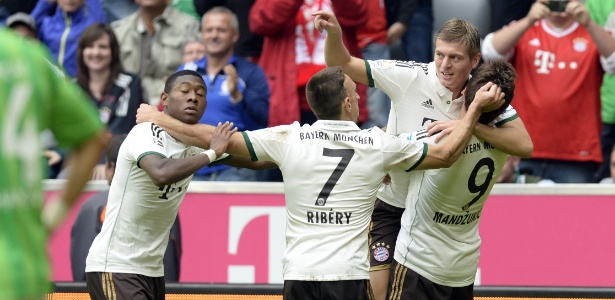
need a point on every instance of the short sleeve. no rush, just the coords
(391, 76)
(269, 144)
(508, 115)
(403, 151)
(144, 139)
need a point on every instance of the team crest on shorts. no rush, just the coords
(380, 251)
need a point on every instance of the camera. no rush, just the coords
(557, 5)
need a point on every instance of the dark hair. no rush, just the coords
(113, 148)
(87, 38)
(461, 31)
(325, 92)
(499, 72)
(168, 86)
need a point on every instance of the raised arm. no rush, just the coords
(603, 40)
(506, 38)
(445, 154)
(336, 53)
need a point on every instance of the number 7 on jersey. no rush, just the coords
(346, 155)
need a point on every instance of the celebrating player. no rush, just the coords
(332, 170)
(420, 94)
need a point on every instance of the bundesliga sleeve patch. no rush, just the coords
(384, 64)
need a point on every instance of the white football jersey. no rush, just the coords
(417, 99)
(439, 236)
(139, 214)
(332, 170)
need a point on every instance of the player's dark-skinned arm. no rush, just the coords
(200, 135)
(336, 53)
(443, 155)
(164, 171)
(247, 163)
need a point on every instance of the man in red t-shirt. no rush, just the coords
(560, 57)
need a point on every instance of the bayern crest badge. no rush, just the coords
(380, 253)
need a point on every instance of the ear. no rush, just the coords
(476, 60)
(236, 37)
(347, 105)
(164, 97)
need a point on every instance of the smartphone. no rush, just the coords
(557, 5)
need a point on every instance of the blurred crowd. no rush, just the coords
(256, 57)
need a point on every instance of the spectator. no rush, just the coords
(92, 214)
(511, 173)
(603, 13)
(557, 57)
(118, 9)
(22, 24)
(416, 20)
(249, 45)
(150, 43)
(293, 51)
(116, 94)
(386, 24)
(237, 89)
(399, 14)
(60, 24)
(193, 50)
(34, 97)
(372, 40)
(187, 7)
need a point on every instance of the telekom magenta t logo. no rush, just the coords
(239, 218)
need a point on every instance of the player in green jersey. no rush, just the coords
(34, 97)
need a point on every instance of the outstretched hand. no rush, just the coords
(147, 113)
(221, 137)
(325, 20)
(489, 97)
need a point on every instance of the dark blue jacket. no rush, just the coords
(60, 31)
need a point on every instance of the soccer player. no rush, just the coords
(437, 250)
(332, 170)
(420, 94)
(151, 177)
(33, 97)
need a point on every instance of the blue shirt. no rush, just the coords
(251, 113)
(60, 32)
